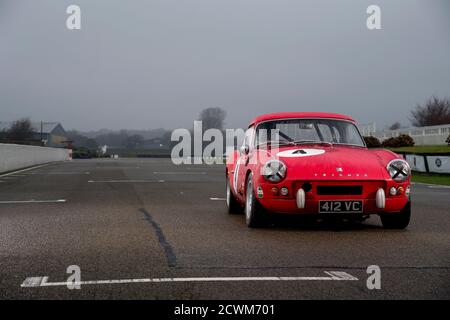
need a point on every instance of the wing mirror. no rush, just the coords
(245, 149)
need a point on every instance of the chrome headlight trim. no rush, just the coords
(274, 171)
(399, 170)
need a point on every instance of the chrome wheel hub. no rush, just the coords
(248, 202)
(228, 193)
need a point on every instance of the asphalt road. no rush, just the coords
(141, 221)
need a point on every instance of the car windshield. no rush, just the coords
(308, 131)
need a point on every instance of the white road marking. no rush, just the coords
(24, 170)
(438, 187)
(123, 168)
(32, 201)
(431, 185)
(217, 199)
(174, 172)
(126, 181)
(60, 173)
(33, 282)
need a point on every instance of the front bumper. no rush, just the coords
(290, 204)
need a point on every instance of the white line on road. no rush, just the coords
(174, 172)
(438, 187)
(217, 199)
(126, 181)
(60, 173)
(43, 281)
(24, 170)
(433, 186)
(32, 201)
(119, 167)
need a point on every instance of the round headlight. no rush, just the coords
(399, 170)
(274, 170)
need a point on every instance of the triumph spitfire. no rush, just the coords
(317, 164)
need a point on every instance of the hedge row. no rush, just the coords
(402, 140)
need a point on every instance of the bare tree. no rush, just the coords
(435, 112)
(21, 130)
(395, 126)
(213, 118)
(81, 141)
(3, 134)
(134, 141)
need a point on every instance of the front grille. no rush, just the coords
(339, 190)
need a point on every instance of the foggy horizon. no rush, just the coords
(156, 64)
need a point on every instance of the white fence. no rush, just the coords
(367, 129)
(432, 135)
(14, 156)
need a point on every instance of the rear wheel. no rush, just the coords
(254, 212)
(233, 205)
(397, 220)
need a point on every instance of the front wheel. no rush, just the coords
(397, 220)
(254, 212)
(233, 205)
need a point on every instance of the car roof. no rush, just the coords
(297, 115)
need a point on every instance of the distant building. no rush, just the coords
(52, 134)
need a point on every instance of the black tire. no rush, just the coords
(397, 220)
(254, 212)
(232, 204)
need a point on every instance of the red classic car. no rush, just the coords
(315, 163)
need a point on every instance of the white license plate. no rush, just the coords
(341, 206)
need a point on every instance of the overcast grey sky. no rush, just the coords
(157, 63)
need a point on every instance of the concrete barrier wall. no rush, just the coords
(14, 156)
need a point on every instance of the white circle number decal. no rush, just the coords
(300, 153)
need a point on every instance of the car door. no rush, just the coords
(245, 152)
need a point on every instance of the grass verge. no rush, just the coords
(431, 178)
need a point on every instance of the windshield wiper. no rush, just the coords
(294, 143)
(298, 142)
(271, 142)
